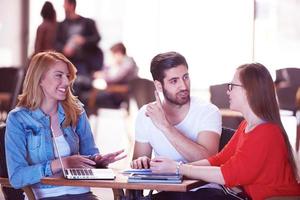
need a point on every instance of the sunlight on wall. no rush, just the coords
(277, 30)
(214, 36)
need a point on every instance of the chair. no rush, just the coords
(287, 77)
(142, 90)
(226, 135)
(9, 192)
(219, 97)
(11, 79)
(113, 97)
(286, 97)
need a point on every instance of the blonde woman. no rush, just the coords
(47, 107)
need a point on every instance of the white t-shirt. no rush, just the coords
(202, 116)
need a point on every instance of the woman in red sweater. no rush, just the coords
(258, 158)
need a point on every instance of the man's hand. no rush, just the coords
(68, 51)
(72, 45)
(156, 113)
(104, 160)
(140, 163)
(78, 40)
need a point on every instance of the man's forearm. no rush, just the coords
(189, 149)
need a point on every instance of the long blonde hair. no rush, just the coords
(32, 95)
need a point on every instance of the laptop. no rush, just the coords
(83, 173)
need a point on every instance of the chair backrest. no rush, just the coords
(142, 90)
(218, 95)
(9, 192)
(11, 79)
(3, 169)
(287, 97)
(226, 135)
(288, 76)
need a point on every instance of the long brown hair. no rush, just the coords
(261, 96)
(32, 95)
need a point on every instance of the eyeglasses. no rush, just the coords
(230, 86)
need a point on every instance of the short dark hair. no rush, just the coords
(48, 11)
(73, 2)
(118, 47)
(164, 61)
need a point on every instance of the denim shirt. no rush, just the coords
(29, 146)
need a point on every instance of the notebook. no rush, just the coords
(137, 171)
(83, 173)
(154, 178)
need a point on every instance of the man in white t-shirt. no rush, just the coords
(180, 127)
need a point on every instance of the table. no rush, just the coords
(119, 89)
(133, 190)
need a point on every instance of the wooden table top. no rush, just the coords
(120, 182)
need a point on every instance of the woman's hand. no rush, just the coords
(104, 160)
(77, 161)
(163, 165)
(74, 161)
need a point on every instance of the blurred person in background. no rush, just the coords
(46, 32)
(123, 68)
(120, 72)
(77, 38)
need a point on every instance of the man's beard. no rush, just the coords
(181, 98)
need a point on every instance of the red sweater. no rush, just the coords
(258, 161)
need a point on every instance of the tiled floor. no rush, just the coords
(113, 130)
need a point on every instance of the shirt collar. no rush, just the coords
(39, 114)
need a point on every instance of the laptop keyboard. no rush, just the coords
(79, 172)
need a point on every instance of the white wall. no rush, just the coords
(214, 35)
(10, 33)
